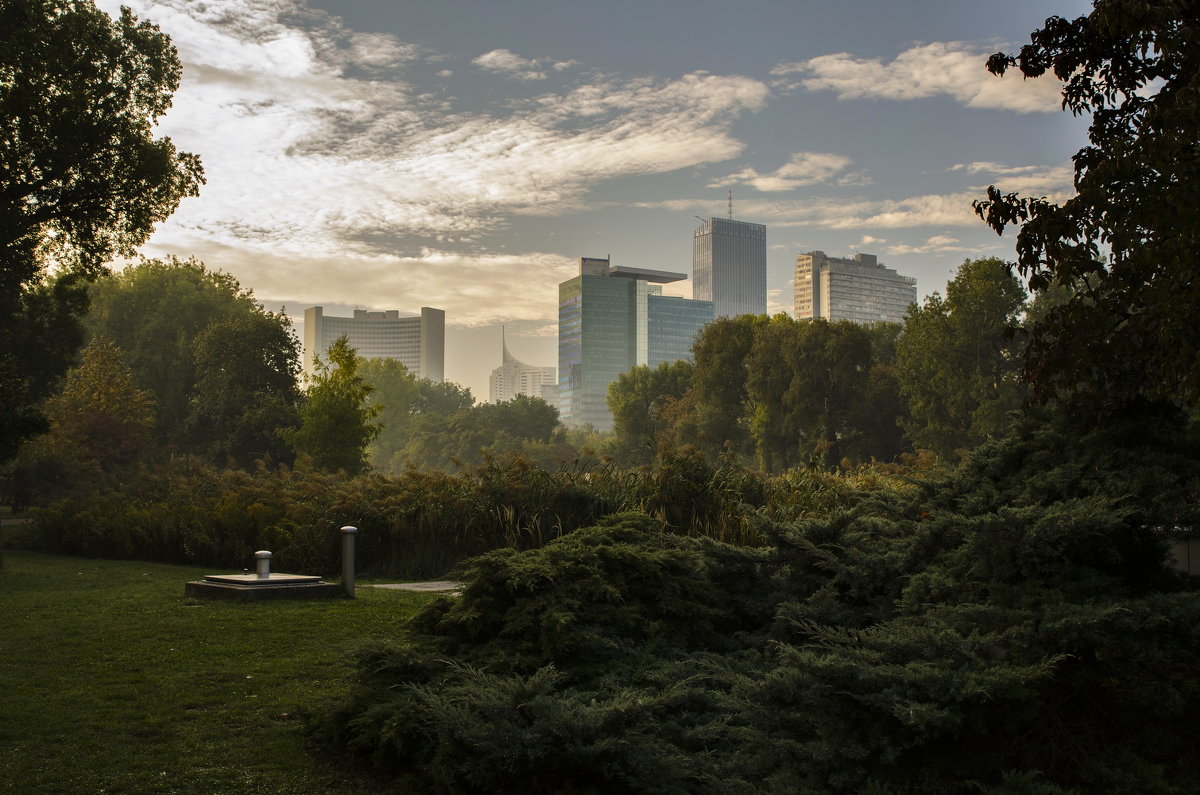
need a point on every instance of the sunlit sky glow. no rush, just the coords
(464, 154)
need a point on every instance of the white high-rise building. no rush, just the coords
(513, 377)
(729, 266)
(859, 289)
(419, 342)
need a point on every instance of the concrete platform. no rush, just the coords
(247, 587)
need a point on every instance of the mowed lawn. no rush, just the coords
(112, 681)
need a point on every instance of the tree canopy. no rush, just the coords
(957, 367)
(1127, 245)
(336, 421)
(82, 177)
(221, 367)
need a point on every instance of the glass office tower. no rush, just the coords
(611, 319)
(729, 266)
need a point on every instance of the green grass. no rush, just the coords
(112, 681)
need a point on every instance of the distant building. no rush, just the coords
(610, 319)
(729, 266)
(418, 342)
(513, 377)
(859, 289)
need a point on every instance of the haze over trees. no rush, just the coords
(82, 179)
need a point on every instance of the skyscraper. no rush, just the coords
(611, 319)
(729, 266)
(417, 342)
(859, 289)
(513, 377)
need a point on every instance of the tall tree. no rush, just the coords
(396, 394)
(956, 365)
(245, 390)
(719, 383)
(807, 379)
(335, 420)
(159, 313)
(1127, 245)
(82, 177)
(636, 399)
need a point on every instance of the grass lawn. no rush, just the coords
(112, 681)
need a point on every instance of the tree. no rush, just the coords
(82, 177)
(396, 393)
(245, 389)
(719, 383)
(957, 367)
(99, 423)
(335, 420)
(220, 366)
(1127, 245)
(806, 380)
(636, 399)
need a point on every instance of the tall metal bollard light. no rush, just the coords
(348, 560)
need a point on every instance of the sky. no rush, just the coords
(464, 154)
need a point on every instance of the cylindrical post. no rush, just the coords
(263, 564)
(348, 560)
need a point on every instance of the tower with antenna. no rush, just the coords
(729, 264)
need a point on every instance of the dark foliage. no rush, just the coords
(1011, 627)
(1126, 247)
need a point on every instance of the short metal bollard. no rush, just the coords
(263, 564)
(348, 560)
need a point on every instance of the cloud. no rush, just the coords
(937, 244)
(319, 150)
(952, 69)
(803, 168)
(987, 167)
(866, 216)
(508, 62)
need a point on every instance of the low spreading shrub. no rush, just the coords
(1010, 627)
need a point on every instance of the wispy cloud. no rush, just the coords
(803, 168)
(508, 62)
(952, 69)
(320, 149)
(952, 209)
(937, 244)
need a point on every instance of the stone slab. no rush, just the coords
(244, 593)
(253, 580)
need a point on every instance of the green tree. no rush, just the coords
(82, 178)
(636, 400)
(957, 367)
(335, 419)
(246, 368)
(806, 380)
(719, 384)
(396, 392)
(160, 313)
(1127, 245)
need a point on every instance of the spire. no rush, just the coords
(730, 205)
(505, 355)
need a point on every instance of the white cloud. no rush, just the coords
(951, 69)
(987, 167)
(508, 62)
(318, 151)
(803, 168)
(937, 244)
(952, 209)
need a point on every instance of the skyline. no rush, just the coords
(466, 155)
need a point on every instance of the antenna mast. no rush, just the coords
(731, 205)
